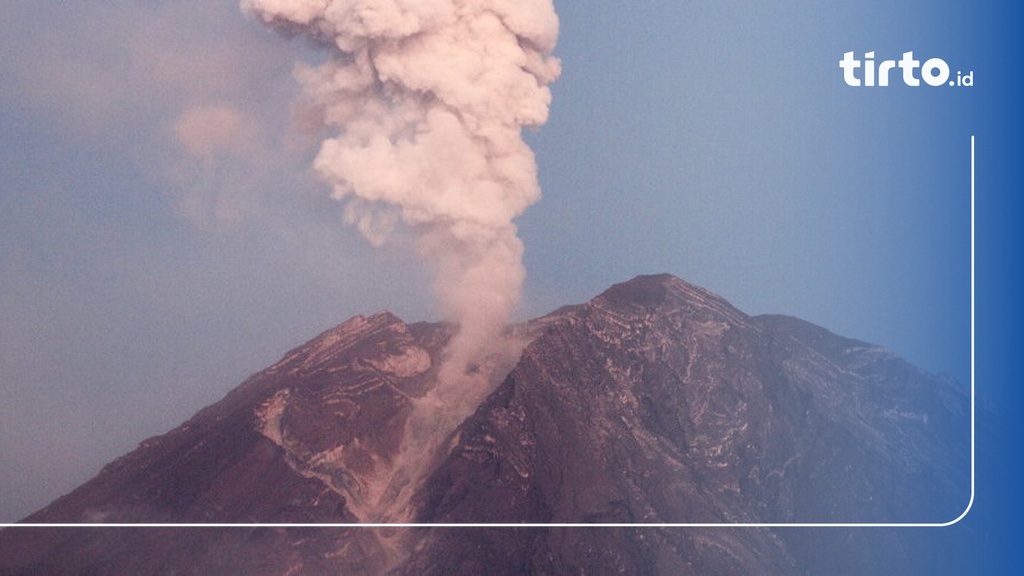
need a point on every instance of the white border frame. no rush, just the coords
(970, 503)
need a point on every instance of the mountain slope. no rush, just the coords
(655, 402)
(658, 402)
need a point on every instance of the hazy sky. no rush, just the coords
(162, 235)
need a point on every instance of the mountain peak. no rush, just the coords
(321, 350)
(665, 291)
(650, 289)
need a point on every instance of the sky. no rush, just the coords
(163, 234)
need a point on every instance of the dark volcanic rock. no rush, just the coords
(656, 403)
(292, 444)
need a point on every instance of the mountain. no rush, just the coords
(656, 402)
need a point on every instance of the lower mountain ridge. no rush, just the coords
(655, 403)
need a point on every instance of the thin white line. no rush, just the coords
(500, 525)
(970, 503)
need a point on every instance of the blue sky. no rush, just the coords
(147, 266)
(720, 143)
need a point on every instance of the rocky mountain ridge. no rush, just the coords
(656, 402)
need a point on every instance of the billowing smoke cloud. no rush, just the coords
(426, 101)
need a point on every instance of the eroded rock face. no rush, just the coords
(307, 440)
(656, 402)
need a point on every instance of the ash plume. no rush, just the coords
(425, 102)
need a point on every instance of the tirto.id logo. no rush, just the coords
(934, 71)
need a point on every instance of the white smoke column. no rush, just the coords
(428, 99)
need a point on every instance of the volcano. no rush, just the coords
(656, 403)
